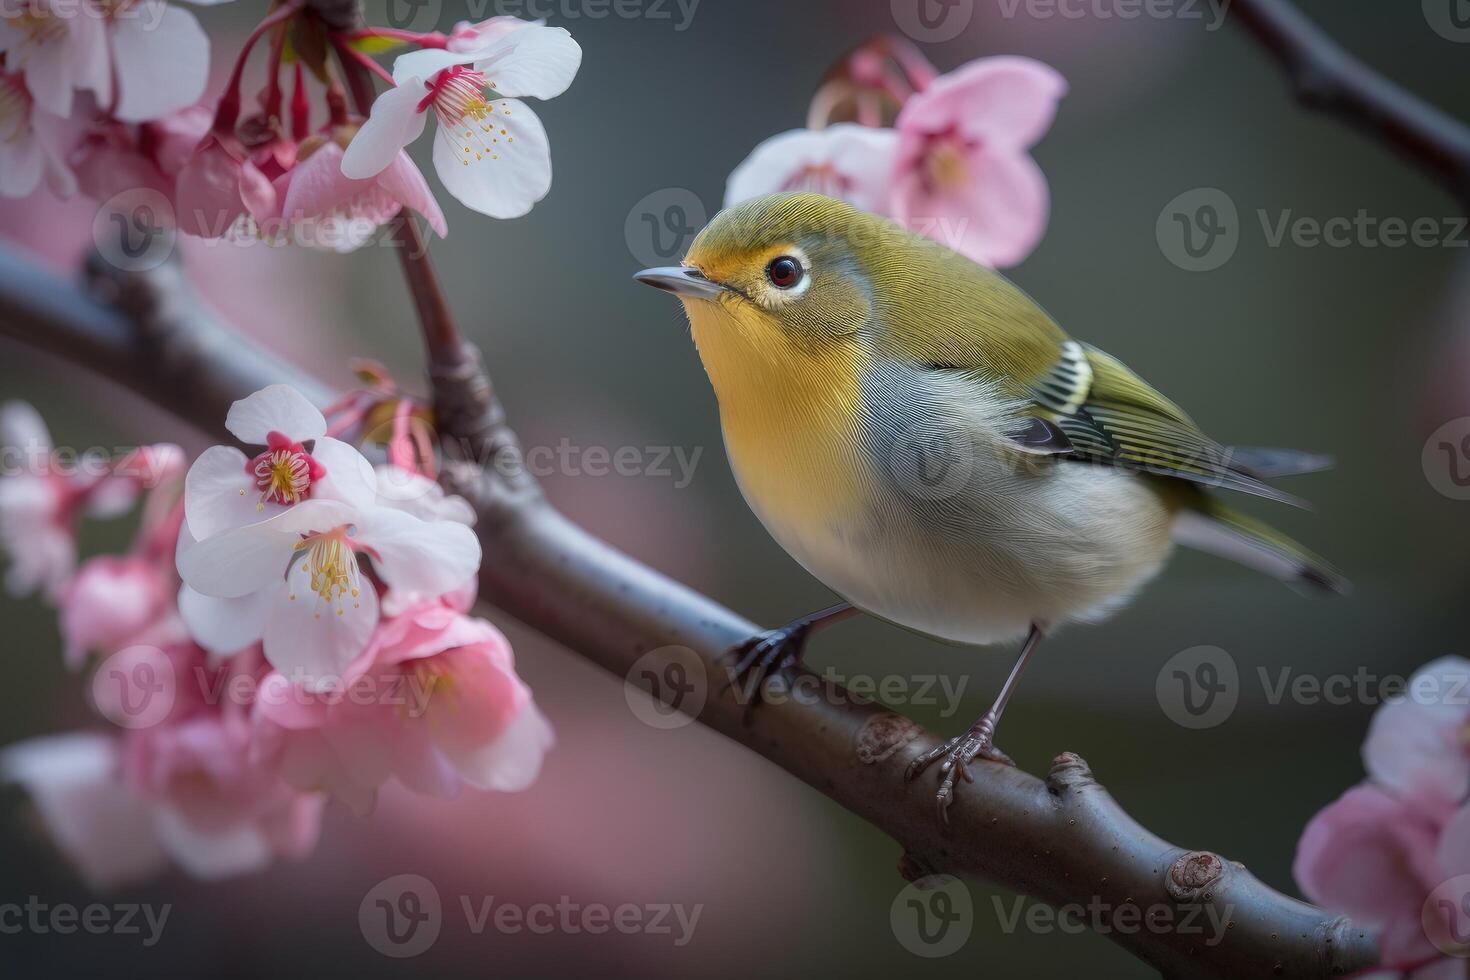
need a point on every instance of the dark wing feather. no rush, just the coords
(1112, 416)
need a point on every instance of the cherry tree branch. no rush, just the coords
(1062, 839)
(1328, 79)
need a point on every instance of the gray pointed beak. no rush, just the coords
(681, 281)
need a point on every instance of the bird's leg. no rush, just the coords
(979, 741)
(778, 649)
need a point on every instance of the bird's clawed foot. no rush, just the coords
(763, 655)
(958, 753)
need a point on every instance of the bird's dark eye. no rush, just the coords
(784, 272)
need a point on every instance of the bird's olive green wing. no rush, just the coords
(1112, 416)
(981, 322)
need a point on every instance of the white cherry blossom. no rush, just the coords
(490, 150)
(273, 546)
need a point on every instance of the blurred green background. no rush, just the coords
(1355, 351)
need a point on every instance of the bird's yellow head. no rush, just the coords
(779, 295)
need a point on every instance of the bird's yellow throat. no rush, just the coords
(790, 412)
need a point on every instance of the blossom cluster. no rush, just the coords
(955, 164)
(289, 626)
(1394, 851)
(103, 98)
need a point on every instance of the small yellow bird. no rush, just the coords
(927, 442)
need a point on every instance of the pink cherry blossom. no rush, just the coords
(492, 154)
(42, 499)
(1381, 850)
(32, 144)
(848, 161)
(216, 812)
(1419, 746)
(323, 208)
(111, 600)
(964, 173)
(221, 193)
(434, 701)
(111, 157)
(1374, 857)
(121, 808)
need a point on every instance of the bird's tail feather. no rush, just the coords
(1271, 463)
(1212, 527)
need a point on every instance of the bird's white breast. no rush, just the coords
(926, 517)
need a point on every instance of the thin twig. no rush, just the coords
(1063, 839)
(1327, 78)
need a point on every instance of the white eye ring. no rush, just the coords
(782, 294)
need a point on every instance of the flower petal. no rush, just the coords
(275, 408)
(161, 56)
(21, 427)
(513, 760)
(22, 164)
(220, 494)
(349, 476)
(395, 122)
(997, 216)
(225, 626)
(236, 563)
(312, 642)
(1008, 102)
(1373, 857)
(403, 181)
(420, 496)
(211, 853)
(425, 63)
(507, 181)
(95, 819)
(1414, 746)
(427, 557)
(531, 62)
(848, 161)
